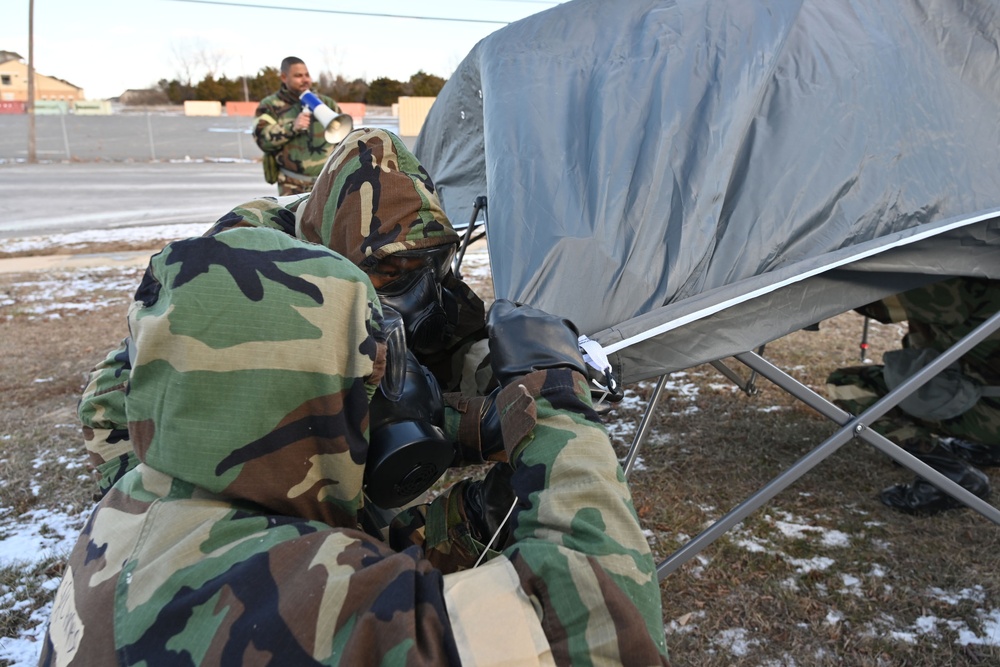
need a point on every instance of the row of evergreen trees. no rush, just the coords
(379, 92)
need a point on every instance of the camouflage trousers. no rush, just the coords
(857, 388)
(288, 185)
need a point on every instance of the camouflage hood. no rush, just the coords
(254, 357)
(372, 199)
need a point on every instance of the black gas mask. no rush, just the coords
(428, 310)
(407, 449)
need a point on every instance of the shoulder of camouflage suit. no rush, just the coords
(101, 408)
(277, 108)
(578, 547)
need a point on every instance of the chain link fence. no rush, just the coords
(152, 135)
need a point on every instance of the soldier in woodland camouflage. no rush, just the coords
(294, 143)
(377, 232)
(236, 541)
(375, 204)
(403, 215)
(953, 424)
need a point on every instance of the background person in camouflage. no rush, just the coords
(287, 132)
(962, 404)
(236, 540)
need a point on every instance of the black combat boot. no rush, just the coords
(976, 453)
(924, 498)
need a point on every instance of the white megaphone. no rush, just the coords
(337, 125)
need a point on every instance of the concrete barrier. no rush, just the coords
(356, 110)
(412, 113)
(202, 108)
(51, 107)
(241, 108)
(92, 107)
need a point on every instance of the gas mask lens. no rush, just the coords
(401, 270)
(395, 354)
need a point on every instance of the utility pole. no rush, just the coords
(246, 91)
(32, 155)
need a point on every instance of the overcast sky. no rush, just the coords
(109, 46)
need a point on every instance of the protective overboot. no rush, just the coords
(976, 453)
(924, 498)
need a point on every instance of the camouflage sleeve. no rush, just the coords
(271, 130)
(578, 548)
(886, 311)
(102, 414)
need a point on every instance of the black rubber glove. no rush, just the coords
(487, 502)
(525, 339)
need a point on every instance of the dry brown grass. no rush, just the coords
(748, 599)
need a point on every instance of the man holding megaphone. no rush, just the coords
(297, 130)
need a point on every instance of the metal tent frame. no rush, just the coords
(851, 427)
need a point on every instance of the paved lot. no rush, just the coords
(54, 198)
(64, 196)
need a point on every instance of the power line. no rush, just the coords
(337, 11)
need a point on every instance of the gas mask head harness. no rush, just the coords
(407, 449)
(409, 282)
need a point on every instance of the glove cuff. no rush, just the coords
(518, 414)
(468, 445)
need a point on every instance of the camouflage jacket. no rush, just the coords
(102, 403)
(236, 540)
(301, 153)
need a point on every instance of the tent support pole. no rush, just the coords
(467, 240)
(850, 427)
(643, 431)
(748, 386)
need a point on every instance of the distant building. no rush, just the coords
(14, 83)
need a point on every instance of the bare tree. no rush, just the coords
(212, 60)
(194, 59)
(333, 61)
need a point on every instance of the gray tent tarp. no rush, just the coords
(687, 180)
